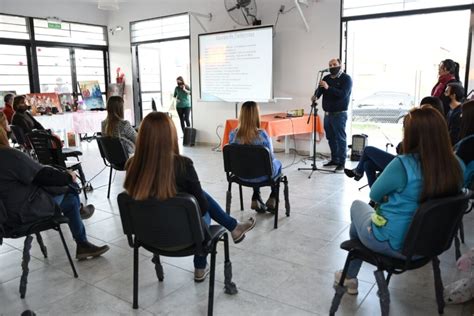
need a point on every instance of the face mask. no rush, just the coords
(334, 70)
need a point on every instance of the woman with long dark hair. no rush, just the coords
(249, 133)
(114, 124)
(448, 72)
(157, 170)
(427, 169)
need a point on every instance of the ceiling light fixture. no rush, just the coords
(108, 5)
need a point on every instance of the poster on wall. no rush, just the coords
(115, 89)
(43, 103)
(2, 95)
(91, 94)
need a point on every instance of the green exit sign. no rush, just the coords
(52, 25)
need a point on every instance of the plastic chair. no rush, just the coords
(465, 153)
(20, 138)
(431, 232)
(113, 154)
(249, 162)
(34, 228)
(172, 228)
(47, 150)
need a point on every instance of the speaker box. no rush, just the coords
(189, 137)
(359, 141)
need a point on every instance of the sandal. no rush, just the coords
(241, 236)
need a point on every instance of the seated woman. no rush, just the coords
(249, 133)
(22, 118)
(115, 126)
(157, 170)
(427, 169)
(465, 147)
(375, 160)
(25, 187)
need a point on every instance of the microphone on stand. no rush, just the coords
(324, 70)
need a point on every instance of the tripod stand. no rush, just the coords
(314, 114)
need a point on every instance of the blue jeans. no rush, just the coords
(335, 127)
(70, 205)
(373, 159)
(361, 228)
(221, 217)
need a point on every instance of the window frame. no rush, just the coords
(32, 44)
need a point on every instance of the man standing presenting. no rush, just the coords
(336, 89)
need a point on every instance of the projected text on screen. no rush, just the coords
(236, 66)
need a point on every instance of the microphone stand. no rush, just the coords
(314, 113)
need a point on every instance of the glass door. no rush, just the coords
(158, 65)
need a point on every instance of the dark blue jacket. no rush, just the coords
(336, 98)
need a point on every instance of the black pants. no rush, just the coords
(183, 114)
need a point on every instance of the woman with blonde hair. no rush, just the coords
(425, 170)
(157, 170)
(4, 138)
(115, 126)
(249, 133)
(4, 123)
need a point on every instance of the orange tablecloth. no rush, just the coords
(278, 126)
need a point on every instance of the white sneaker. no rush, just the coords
(350, 284)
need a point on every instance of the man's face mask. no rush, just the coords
(334, 70)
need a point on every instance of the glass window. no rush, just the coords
(65, 32)
(90, 66)
(160, 28)
(54, 67)
(363, 7)
(13, 27)
(14, 69)
(394, 62)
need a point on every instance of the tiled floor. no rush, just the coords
(288, 271)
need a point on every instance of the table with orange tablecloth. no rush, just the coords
(276, 125)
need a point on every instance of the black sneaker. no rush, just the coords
(352, 173)
(339, 169)
(330, 163)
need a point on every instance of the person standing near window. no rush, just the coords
(448, 71)
(183, 104)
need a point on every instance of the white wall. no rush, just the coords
(67, 10)
(298, 55)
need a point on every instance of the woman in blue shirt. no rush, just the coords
(427, 169)
(249, 133)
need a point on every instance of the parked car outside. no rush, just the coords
(383, 107)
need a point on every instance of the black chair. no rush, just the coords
(19, 138)
(114, 155)
(249, 162)
(465, 152)
(431, 232)
(27, 230)
(172, 228)
(47, 150)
